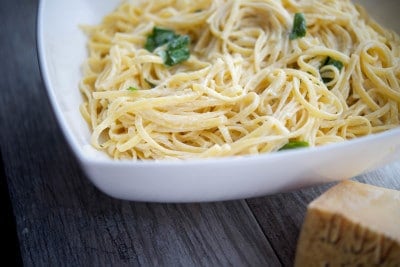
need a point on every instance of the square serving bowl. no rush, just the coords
(62, 49)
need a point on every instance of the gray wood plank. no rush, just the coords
(63, 220)
(281, 216)
(9, 241)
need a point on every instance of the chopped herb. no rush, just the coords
(177, 50)
(294, 144)
(173, 48)
(159, 37)
(330, 61)
(132, 89)
(299, 26)
(326, 79)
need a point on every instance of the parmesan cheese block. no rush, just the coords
(352, 224)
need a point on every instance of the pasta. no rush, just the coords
(251, 84)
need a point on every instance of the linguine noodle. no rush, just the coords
(247, 87)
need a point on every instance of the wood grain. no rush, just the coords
(61, 219)
(9, 241)
(281, 216)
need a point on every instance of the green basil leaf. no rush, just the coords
(132, 89)
(331, 61)
(299, 26)
(159, 37)
(178, 50)
(172, 48)
(294, 145)
(326, 79)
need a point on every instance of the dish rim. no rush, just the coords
(79, 152)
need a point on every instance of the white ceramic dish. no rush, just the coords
(62, 49)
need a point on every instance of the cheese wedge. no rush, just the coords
(352, 224)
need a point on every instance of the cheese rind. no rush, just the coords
(352, 224)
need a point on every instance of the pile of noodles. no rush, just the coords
(247, 87)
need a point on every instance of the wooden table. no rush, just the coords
(61, 219)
